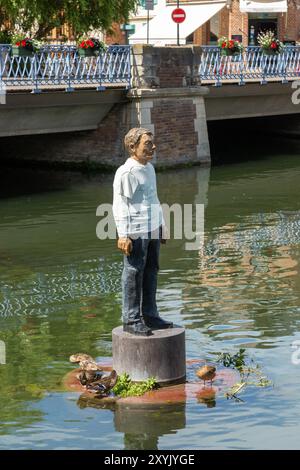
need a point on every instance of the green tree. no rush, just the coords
(39, 17)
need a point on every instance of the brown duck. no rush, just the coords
(103, 385)
(90, 371)
(80, 357)
(206, 373)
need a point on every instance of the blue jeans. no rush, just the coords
(139, 280)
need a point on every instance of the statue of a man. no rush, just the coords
(141, 230)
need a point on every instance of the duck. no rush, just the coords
(90, 371)
(79, 357)
(206, 373)
(103, 385)
(89, 365)
(85, 361)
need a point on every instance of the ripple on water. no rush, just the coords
(241, 289)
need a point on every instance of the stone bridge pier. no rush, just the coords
(166, 99)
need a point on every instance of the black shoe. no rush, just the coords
(157, 323)
(137, 329)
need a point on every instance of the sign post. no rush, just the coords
(178, 37)
(149, 5)
(178, 16)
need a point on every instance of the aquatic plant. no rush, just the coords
(237, 361)
(250, 372)
(126, 388)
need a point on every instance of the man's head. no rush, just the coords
(140, 144)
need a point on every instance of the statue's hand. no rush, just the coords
(125, 245)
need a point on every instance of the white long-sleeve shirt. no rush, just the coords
(136, 207)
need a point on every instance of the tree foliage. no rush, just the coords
(39, 17)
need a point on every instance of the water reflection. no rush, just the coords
(142, 427)
(41, 293)
(60, 294)
(207, 397)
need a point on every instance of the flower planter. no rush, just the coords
(269, 52)
(19, 51)
(229, 52)
(89, 52)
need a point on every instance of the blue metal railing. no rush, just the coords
(250, 64)
(62, 65)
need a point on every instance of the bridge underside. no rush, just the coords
(250, 100)
(56, 111)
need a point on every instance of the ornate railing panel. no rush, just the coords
(62, 65)
(250, 64)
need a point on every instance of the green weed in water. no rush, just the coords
(251, 373)
(126, 388)
(237, 361)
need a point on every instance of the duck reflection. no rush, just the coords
(207, 397)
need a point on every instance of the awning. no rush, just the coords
(263, 6)
(163, 30)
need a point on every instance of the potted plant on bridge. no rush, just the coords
(230, 47)
(23, 47)
(269, 44)
(90, 47)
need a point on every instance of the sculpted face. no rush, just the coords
(144, 149)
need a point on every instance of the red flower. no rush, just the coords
(231, 44)
(223, 44)
(89, 43)
(274, 45)
(23, 43)
(18, 43)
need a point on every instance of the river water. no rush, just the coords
(60, 294)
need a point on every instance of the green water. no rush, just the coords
(60, 294)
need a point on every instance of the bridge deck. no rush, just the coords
(78, 86)
(231, 81)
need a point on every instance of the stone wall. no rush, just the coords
(165, 67)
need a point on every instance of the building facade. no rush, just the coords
(207, 20)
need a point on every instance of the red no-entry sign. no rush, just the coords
(178, 15)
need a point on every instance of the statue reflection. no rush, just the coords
(143, 426)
